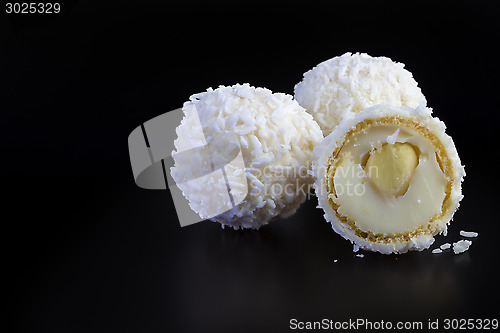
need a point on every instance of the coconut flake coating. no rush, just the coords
(454, 174)
(276, 137)
(350, 83)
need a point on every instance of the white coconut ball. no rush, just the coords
(268, 178)
(345, 85)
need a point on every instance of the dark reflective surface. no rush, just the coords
(88, 251)
(141, 271)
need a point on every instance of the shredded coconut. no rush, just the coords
(360, 255)
(468, 233)
(436, 251)
(272, 133)
(341, 86)
(461, 246)
(445, 246)
(391, 139)
(355, 247)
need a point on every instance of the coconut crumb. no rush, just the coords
(445, 246)
(391, 139)
(461, 246)
(335, 260)
(468, 233)
(360, 255)
(355, 247)
(436, 251)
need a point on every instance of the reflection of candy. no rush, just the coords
(352, 82)
(389, 178)
(276, 137)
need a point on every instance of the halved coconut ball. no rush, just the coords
(389, 178)
(345, 85)
(258, 150)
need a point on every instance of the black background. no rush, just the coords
(86, 250)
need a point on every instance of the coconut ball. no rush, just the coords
(258, 149)
(345, 85)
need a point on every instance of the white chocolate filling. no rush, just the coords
(371, 209)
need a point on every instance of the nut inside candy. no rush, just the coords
(391, 167)
(385, 181)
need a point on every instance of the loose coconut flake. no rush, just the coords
(461, 246)
(468, 233)
(445, 246)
